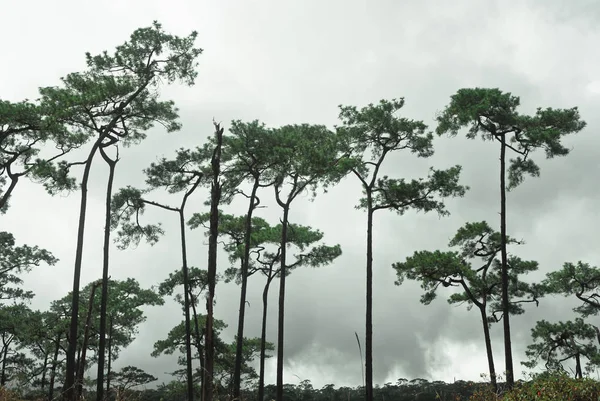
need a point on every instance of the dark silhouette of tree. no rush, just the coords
(579, 279)
(249, 146)
(25, 130)
(304, 158)
(129, 203)
(477, 271)
(369, 135)
(115, 100)
(555, 343)
(493, 114)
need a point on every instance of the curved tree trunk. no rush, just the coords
(14, 178)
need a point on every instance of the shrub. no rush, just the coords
(546, 387)
(7, 395)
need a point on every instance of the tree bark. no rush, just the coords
(488, 348)
(198, 345)
(263, 339)
(53, 369)
(281, 316)
(510, 379)
(3, 373)
(43, 383)
(108, 372)
(86, 336)
(369, 302)
(105, 264)
(186, 284)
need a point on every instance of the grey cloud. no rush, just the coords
(289, 64)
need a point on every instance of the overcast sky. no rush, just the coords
(294, 62)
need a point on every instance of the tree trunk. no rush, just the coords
(188, 330)
(198, 345)
(104, 296)
(108, 372)
(69, 393)
(53, 368)
(369, 302)
(3, 372)
(263, 339)
(281, 316)
(578, 372)
(510, 379)
(488, 348)
(215, 197)
(86, 336)
(237, 373)
(43, 384)
(14, 178)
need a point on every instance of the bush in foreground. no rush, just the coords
(546, 387)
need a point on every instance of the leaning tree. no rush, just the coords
(114, 101)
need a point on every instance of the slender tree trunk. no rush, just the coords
(263, 339)
(198, 345)
(43, 384)
(3, 373)
(188, 330)
(86, 336)
(53, 369)
(281, 316)
(78, 358)
(215, 197)
(237, 373)
(108, 371)
(488, 348)
(69, 393)
(510, 379)
(578, 372)
(104, 297)
(369, 302)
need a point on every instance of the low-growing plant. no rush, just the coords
(8, 395)
(545, 387)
